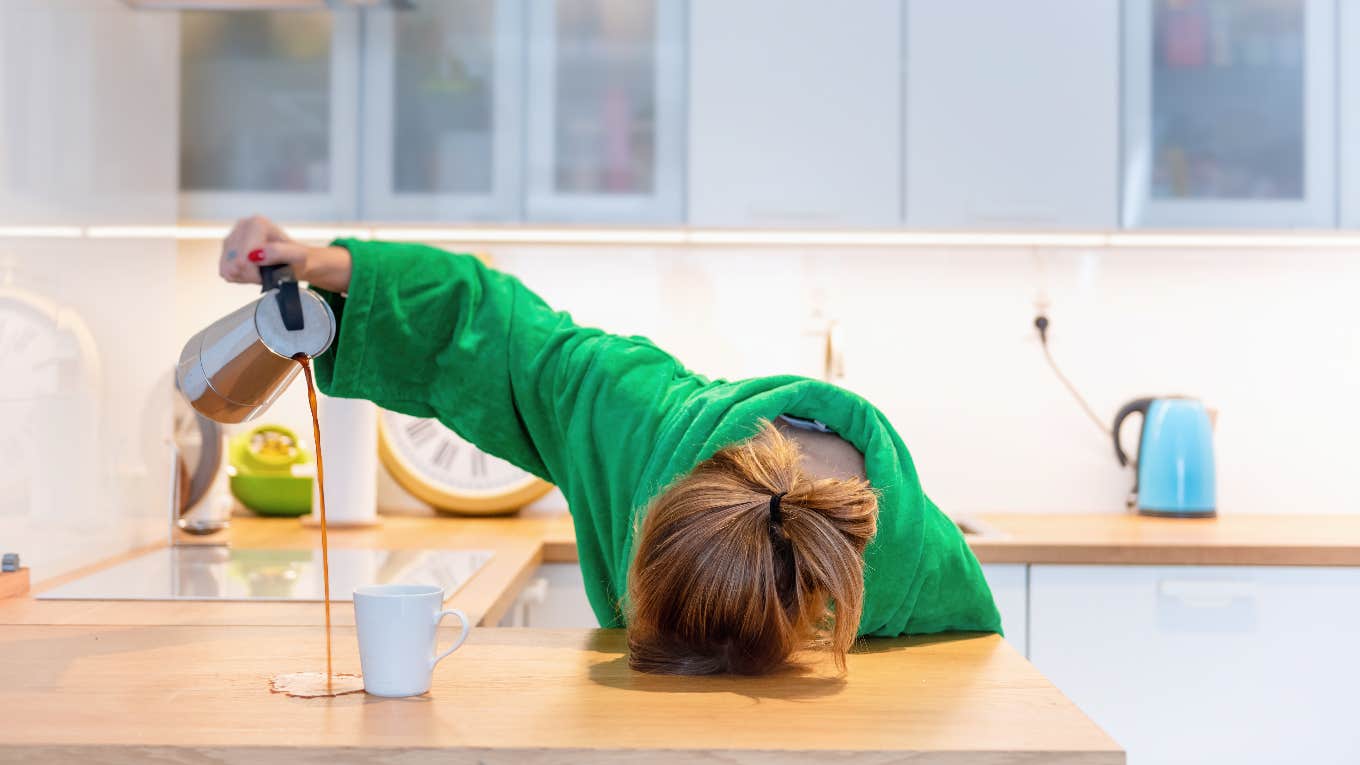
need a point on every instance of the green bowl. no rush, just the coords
(282, 496)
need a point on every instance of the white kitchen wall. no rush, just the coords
(86, 354)
(87, 110)
(943, 342)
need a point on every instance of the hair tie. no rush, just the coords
(776, 513)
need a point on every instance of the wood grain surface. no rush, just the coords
(521, 543)
(1127, 539)
(14, 583)
(200, 694)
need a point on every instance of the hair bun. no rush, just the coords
(740, 563)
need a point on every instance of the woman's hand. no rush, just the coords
(258, 241)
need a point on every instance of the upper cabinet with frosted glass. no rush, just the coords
(443, 111)
(1229, 113)
(605, 111)
(268, 114)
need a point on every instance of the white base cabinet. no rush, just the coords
(1010, 590)
(1196, 664)
(555, 598)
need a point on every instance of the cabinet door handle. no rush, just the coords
(1207, 593)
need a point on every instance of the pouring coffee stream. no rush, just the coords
(234, 368)
(306, 364)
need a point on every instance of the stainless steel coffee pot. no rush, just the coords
(233, 369)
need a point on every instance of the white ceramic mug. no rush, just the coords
(397, 625)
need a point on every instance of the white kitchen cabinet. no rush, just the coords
(87, 113)
(1010, 590)
(1229, 113)
(269, 114)
(1348, 143)
(795, 113)
(606, 111)
(554, 598)
(443, 111)
(1184, 664)
(1012, 113)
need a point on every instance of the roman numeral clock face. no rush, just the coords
(446, 471)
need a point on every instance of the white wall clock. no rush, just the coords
(446, 471)
(49, 380)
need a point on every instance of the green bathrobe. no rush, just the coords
(612, 420)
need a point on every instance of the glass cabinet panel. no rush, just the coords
(267, 113)
(442, 110)
(606, 110)
(1229, 109)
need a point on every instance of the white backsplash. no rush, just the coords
(88, 342)
(88, 91)
(943, 343)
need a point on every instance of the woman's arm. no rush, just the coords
(435, 334)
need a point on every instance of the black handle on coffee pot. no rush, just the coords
(280, 277)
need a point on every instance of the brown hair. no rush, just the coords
(724, 582)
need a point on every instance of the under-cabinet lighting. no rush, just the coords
(893, 238)
(535, 235)
(156, 232)
(606, 236)
(41, 232)
(1235, 241)
(327, 233)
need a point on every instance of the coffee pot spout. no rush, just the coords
(233, 369)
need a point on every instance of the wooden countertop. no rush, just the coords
(1127, 539)
(520, 544)
(135, 680)
(194, 693)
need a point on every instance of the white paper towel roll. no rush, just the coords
(349, 443)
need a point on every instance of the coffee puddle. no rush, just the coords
(310, 685)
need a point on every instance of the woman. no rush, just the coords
(727, 524)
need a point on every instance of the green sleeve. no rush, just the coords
(435, 334)
(951, 591)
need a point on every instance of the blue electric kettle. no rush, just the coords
(1175, 464)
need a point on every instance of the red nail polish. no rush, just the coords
(256, 256)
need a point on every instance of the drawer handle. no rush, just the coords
(1207, 593)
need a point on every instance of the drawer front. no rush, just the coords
(1186, 664)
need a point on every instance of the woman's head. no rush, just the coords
(746, 560)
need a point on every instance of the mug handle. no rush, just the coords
(467, 627)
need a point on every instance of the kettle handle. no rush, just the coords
(1139, 405)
